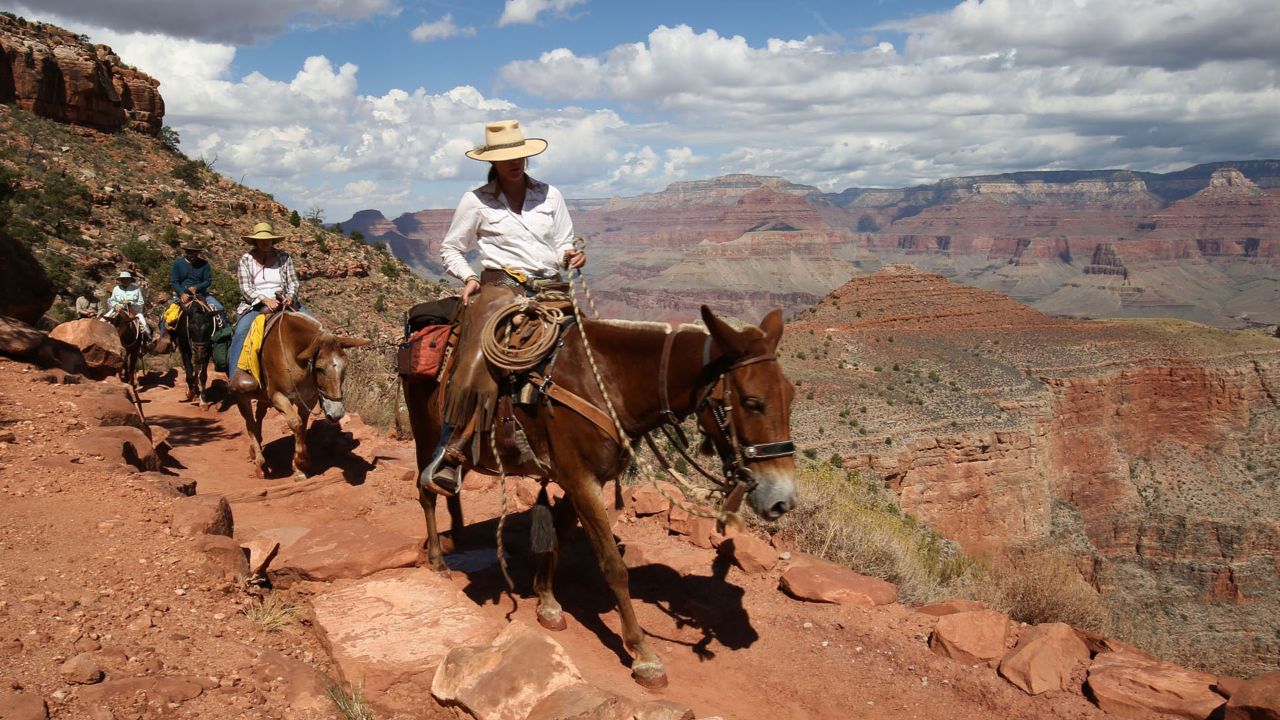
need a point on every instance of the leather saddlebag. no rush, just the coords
(421, 355)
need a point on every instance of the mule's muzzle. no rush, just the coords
(774, 494)
(333, 409)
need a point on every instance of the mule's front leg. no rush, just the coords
(297, 422)
(435, 554)
(550, 614)
(646, 666)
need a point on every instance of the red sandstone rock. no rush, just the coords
(504, 680)
(55, 74)
(23, 707)
(1227, 686)
(261, 552)
(950, 607)
(170, 689)
(18, 339)
(109, 404)
(697, 528)
(380, 636)
(749, 553)
(646, 499)
(1045, 658)
(81, 670)
(25, 290)
(123, 444)
(225, 557)
(349, 549)
(820, 581)
(98, 343)
(1257, 699)
(974, 637)
(1129, 685)
(202, 514)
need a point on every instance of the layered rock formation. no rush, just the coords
(1146, 448)
(1086, 243)
(55, 73)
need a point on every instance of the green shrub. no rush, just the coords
(390, 268)
(191, 172)
(295, 219)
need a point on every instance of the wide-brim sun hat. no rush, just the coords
(503, 140)
(262, 231)
(124, 275)
(192, 247)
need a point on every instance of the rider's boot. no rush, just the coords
(242, 381)
(445, 476)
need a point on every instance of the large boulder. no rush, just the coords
(122, 444)
(973, 637)
(25, 291)
(1045, 659)
(19, 340)
(97, 341)
(1257, 699)
(1136, 686)
(202, 514)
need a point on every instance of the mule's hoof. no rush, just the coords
(649, 675)
(554, 622)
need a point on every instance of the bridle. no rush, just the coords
(311, 372)
(714, 394)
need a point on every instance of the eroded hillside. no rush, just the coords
(1147, 447)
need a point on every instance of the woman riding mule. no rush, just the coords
(523, 231)
(268, 282)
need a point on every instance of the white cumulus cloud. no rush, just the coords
(527, 11)
(440, 30)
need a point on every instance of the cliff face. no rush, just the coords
(1109, 243)
(1146, 448)
(53, 73)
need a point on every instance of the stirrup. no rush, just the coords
(444, 481)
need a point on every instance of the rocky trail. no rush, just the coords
(121, 596)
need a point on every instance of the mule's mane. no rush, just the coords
(649, 325)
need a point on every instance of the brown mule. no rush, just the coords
(752, 431)
(302, 366)
(133, 340)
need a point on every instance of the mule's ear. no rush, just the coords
(307, 355)
(349, 342)
(723, 332)
(772, 327)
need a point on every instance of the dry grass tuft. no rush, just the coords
(271, 614)
(851, 521)
(351, 703)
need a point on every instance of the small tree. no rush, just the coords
(836, 460)
(169, 138)
(315, 215)
(295, 219)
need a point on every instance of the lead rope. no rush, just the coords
(720, 517)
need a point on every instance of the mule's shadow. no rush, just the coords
(156, 378)
(708, 603)
(329, 446)
(192, 430)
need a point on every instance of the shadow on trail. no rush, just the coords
(708, 603)
(192, 430)
(156, 378)
(330, 447)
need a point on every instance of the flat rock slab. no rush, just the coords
(350, 549)
(23, 707)
(1135, 686)
(389, 632)
(821, 581)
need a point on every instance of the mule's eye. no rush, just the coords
(754, 404)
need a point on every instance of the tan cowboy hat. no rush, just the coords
(262, 231)
(503, 140)
(124, 275)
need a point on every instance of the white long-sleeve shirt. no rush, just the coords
(131, 295)
(533, 241)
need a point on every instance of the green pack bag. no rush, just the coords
(222, 347)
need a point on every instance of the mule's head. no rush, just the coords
(326, 358)
(747, 415)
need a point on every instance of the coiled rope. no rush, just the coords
(518, 336)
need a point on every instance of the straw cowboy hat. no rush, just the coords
(503, 140)
(262, 231)
(124, 275)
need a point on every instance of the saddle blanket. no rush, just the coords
(249, 357)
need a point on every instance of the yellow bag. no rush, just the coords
(248, 361)
(171, 315)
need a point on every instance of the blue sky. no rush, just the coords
(351, 104)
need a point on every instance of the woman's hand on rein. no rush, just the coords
(575, 259)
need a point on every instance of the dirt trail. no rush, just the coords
(734, 645)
